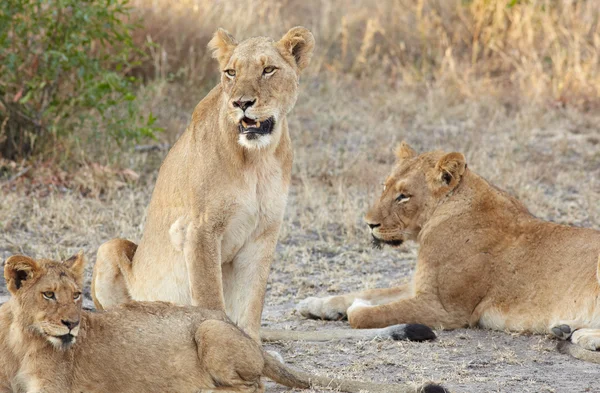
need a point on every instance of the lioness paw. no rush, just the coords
(328, 308)
(587, 338)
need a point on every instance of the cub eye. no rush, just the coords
(48, 295)
(230, 73)
(402, 198)
(76, 295)
(269, 70)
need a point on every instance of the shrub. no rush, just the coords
(63, 66)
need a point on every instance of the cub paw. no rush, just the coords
(330, 308)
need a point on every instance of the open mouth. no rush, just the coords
(253, 128)
(378, 243)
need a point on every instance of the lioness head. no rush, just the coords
(411, 192)
(260, 80)
(48, 295)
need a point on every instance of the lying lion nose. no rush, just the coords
(70, 324)
(243, 104)
(373, 225)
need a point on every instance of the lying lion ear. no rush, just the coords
(404, 151)
(298, 43)
(76, 264)
(17, 270)
(450, 168)
(222, 45)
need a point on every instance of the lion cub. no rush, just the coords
(48, 344)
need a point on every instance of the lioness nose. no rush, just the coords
(70, 324)
(243, 104)
(373, 225)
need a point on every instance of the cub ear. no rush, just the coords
(17, 270)
(298, 43)
(222, 45)
(76, 264)
(404, 151)
(450, 168)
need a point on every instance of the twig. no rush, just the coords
(18, 175)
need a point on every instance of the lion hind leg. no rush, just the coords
(232, 361)
(112, 272)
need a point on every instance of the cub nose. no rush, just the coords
(70, 324)
(243, 104)
(373, 225)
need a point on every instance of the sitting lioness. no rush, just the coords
(218, 204)
(483, 260)
(49, 345)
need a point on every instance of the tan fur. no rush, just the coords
(150, 347)
(220, 196)
(484, 260)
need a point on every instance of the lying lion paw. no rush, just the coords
(587, 338)
(331, 308)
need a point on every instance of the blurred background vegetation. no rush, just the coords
(83, 81)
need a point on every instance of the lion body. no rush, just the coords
(218, 204)
(48, 344)
(483, 260)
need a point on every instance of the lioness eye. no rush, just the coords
(48, 295)
(230, 73)
(269, 70)
(76, 295)
(402, 198)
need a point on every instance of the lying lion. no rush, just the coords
(220, 196)
(48, 344)
(484, 260)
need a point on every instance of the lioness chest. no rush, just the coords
(257, 206)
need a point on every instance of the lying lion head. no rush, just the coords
(411, 192)
(48, 295)
(260, 80)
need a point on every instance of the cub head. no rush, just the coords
(260, 80)
(48, 296)
(417, 184)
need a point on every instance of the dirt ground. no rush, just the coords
(343, 133)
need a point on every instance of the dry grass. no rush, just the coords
(546, 50)
(475, 77)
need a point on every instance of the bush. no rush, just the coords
(63, 66)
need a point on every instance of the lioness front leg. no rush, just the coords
(424, 309)
(245, 281)
(334, 308)
(202, 254)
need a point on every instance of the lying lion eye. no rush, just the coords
(402, 198)
(230, 73)
(48, 295)
(76, 295)
(269, 70)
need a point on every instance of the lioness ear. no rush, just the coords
(222, 45)
(450, 168)
(76, 264)
(17, 270)
(403, 151)
(299, 44)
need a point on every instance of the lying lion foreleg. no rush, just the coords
(422, 309)
(202, 254)
(336, 307)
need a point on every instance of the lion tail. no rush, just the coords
(411, 332)
(568, 348)
(286, 376)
